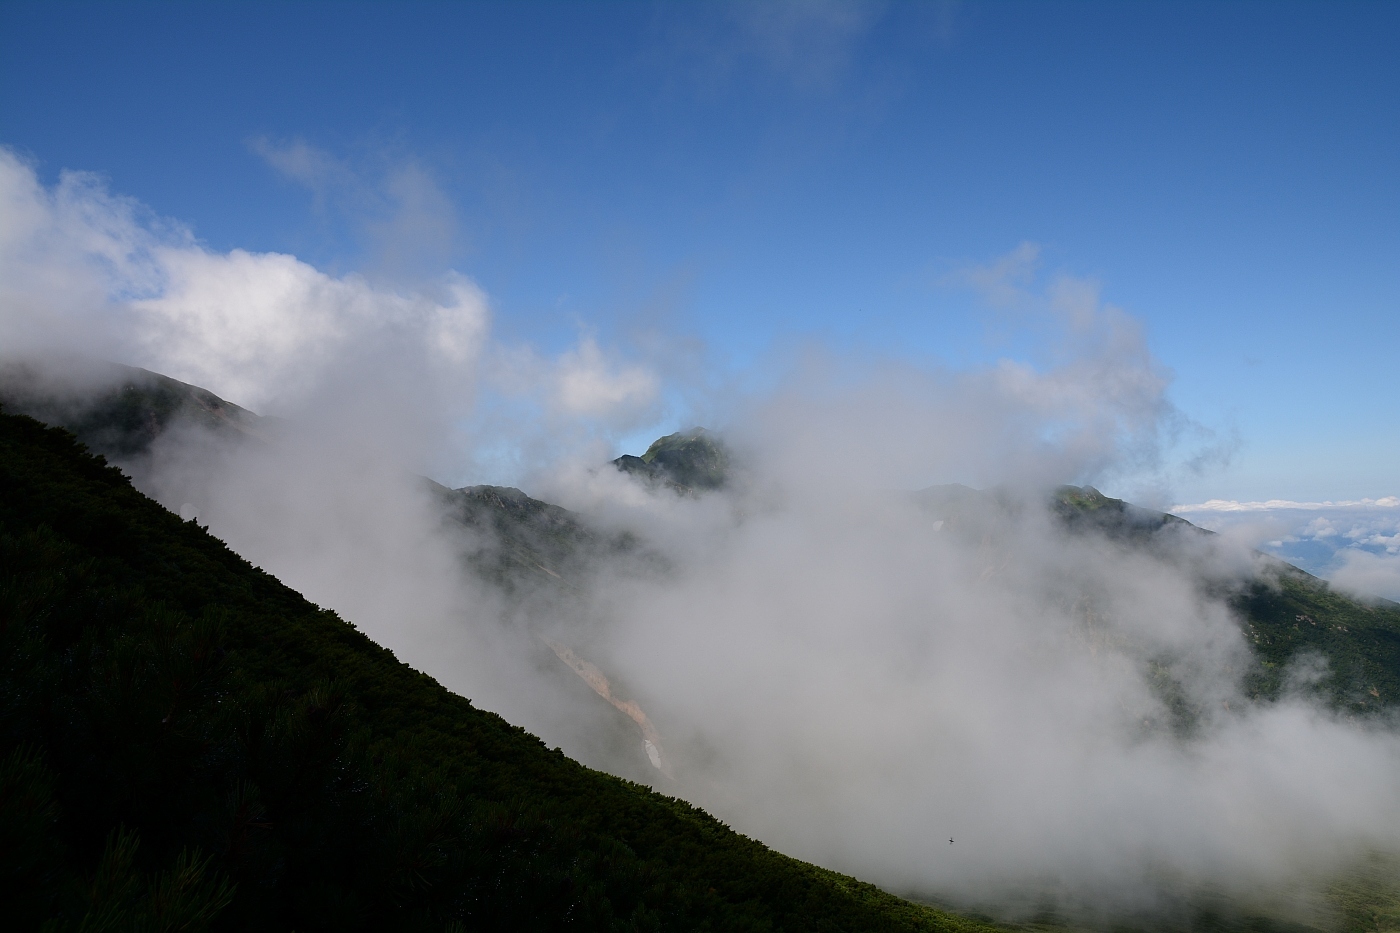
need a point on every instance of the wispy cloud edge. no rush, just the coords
(1274, 505)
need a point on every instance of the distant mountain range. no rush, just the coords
(534, 550)
(120, 411)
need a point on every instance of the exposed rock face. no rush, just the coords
(598, 681)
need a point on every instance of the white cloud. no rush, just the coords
(1275, 505)
(1366, 573)
(86, 271)
(1355, 543)
(1089, 372)
(67, 249)
(589, 384)
(300, 161)
(263, 327)
(1005, 281)
(833, 673)
(393, 204)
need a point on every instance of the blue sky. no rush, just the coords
(752, 176)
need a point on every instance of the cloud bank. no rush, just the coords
(1353, 543)
(1277, 505)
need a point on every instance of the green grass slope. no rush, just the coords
(186, 744)
(687, 461)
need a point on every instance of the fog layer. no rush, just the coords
(952, 707)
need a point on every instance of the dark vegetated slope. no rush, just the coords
(188, 742)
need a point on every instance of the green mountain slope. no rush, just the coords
(687, 461)
(1295, 615)
(1287, 616)
(185, 743)
(1085, 509)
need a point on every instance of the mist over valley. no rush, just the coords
(791, 465)
(1027, 700)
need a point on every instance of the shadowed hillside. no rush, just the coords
(188, 744)
(525, 545)
(117, 410)
(262, 761)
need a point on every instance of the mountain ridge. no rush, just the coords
(689, 462)
(527, 545)
(379, 744)
(114, 409)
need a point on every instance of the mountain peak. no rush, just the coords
(687, 461)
